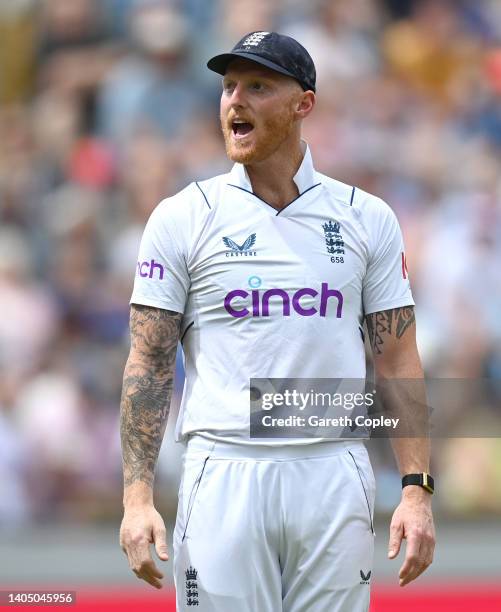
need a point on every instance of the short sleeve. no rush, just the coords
(161, 278)
(386, 283)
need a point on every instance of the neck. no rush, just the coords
(273, 179)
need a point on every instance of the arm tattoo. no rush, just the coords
(386, 323)
(147, 389)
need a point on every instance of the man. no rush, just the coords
(241, 269)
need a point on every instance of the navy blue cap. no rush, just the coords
(276, 51)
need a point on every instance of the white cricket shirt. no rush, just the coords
(267, 293)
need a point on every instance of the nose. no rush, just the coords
(237, 98)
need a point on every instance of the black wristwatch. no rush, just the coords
(423, 480)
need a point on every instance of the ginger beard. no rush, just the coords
(268, 135)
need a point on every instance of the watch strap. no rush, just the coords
(423, 479)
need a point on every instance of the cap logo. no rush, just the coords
(254, 39)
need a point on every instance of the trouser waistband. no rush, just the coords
(217, 448)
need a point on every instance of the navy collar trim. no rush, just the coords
(279, 210)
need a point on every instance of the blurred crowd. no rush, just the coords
(106, 107)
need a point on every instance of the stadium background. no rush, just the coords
(106, 107)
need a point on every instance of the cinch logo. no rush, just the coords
(150, 269)
(260, 302)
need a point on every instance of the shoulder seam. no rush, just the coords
(205, 197)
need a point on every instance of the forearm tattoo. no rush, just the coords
(386, 323)
(147, 389)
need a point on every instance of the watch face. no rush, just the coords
(428, 483)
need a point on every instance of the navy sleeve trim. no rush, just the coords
(352, 196)
(205, 197)
(186, 331)
(361, 329)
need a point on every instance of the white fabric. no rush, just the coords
(252, 524)
(233, 329)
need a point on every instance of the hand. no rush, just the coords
(413, 521)
(141, 526)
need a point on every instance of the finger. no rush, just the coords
(154, 578)
(425, 554)
(411, 561)
(149, 579)
(396, 535)
(153, 570)
(149, 573)
(148, 568)
(430, 541)
(427, 546)
(408, 572)
(159, 537)
(416, 570)
(142, 564)
(138, 553)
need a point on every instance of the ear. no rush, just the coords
(305, 104)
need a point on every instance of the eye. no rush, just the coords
(257, 86)
(228, 86)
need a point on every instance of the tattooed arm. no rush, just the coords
(392, 335)
(146, 395)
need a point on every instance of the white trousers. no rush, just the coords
(274, 529)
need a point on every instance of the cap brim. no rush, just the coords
(219, 63)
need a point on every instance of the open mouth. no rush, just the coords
(241, 128)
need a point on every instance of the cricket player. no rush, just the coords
(267, 271)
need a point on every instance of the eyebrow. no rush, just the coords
(252, 74)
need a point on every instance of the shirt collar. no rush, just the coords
(304, 178)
